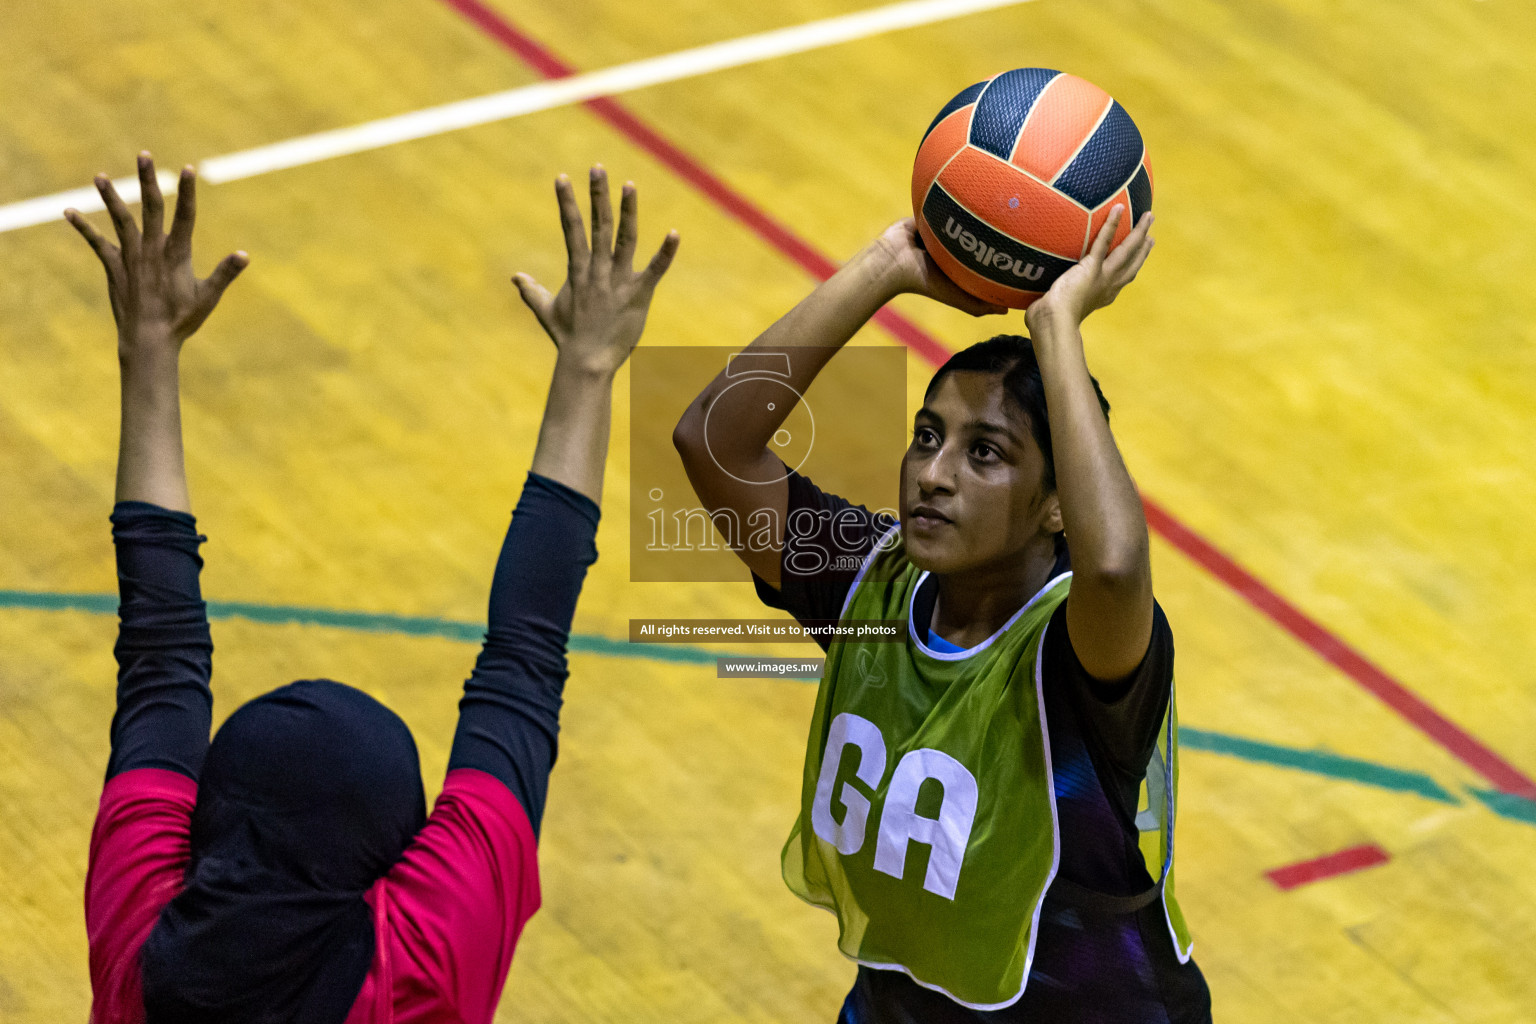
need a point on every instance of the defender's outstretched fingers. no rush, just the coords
(122, 220)
(537, 298)
(602, 213)
(576, 252)
(110, 256)
(150, 200)
(178, 244)
(629, 228)
(662, 260)
(228, 269)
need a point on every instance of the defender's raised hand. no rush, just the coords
(158, 304)
(156, 299)
(596, 318)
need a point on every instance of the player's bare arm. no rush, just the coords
(893, 264)
(595, 321)
(158, 304)
(1109, 610)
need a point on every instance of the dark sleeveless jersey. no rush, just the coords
(1090, 966)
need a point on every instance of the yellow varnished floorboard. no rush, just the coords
(1326, 370)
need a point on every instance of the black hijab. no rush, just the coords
(308, 796)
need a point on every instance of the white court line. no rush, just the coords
(499, 106)
(87, 200)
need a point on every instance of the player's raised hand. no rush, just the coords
(1098, 277)
(156, 300)
(596, 318)
(916, 272)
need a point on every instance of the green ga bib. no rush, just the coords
(927, 817)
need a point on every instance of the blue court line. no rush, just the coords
(1315, 762)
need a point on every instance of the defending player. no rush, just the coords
(969, 806)
(289, 872)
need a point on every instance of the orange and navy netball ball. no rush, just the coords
(1018, 173)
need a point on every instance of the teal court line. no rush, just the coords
(1507, 805)
(1315, 762)
(1318, 762)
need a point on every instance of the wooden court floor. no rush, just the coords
(1323, 381)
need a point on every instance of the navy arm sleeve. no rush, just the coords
(509, 717)
(164, 649)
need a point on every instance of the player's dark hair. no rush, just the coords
(1013, 356)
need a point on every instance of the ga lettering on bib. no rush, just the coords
(927, 821)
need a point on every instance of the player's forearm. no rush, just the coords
(1100, 508)
(573, 436)
(509, 717)
(164, 650)
(150, 463)
(810, 334)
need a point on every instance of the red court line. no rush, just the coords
(690, 170)
(1342, 863)
(1471, 752)
(1467, 748)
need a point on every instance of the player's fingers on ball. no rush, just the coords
(1141, 261)
(1139, 255)
(602, 212)
(1143, 231)
(629, 227)
(178, 243)
(127, 230)
(150, 199)
(958, 297)
(1107, 233)
(1122, 256)
(571, 224)
(1138, 234)
(1135, 245)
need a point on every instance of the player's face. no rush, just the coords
(972, 481)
